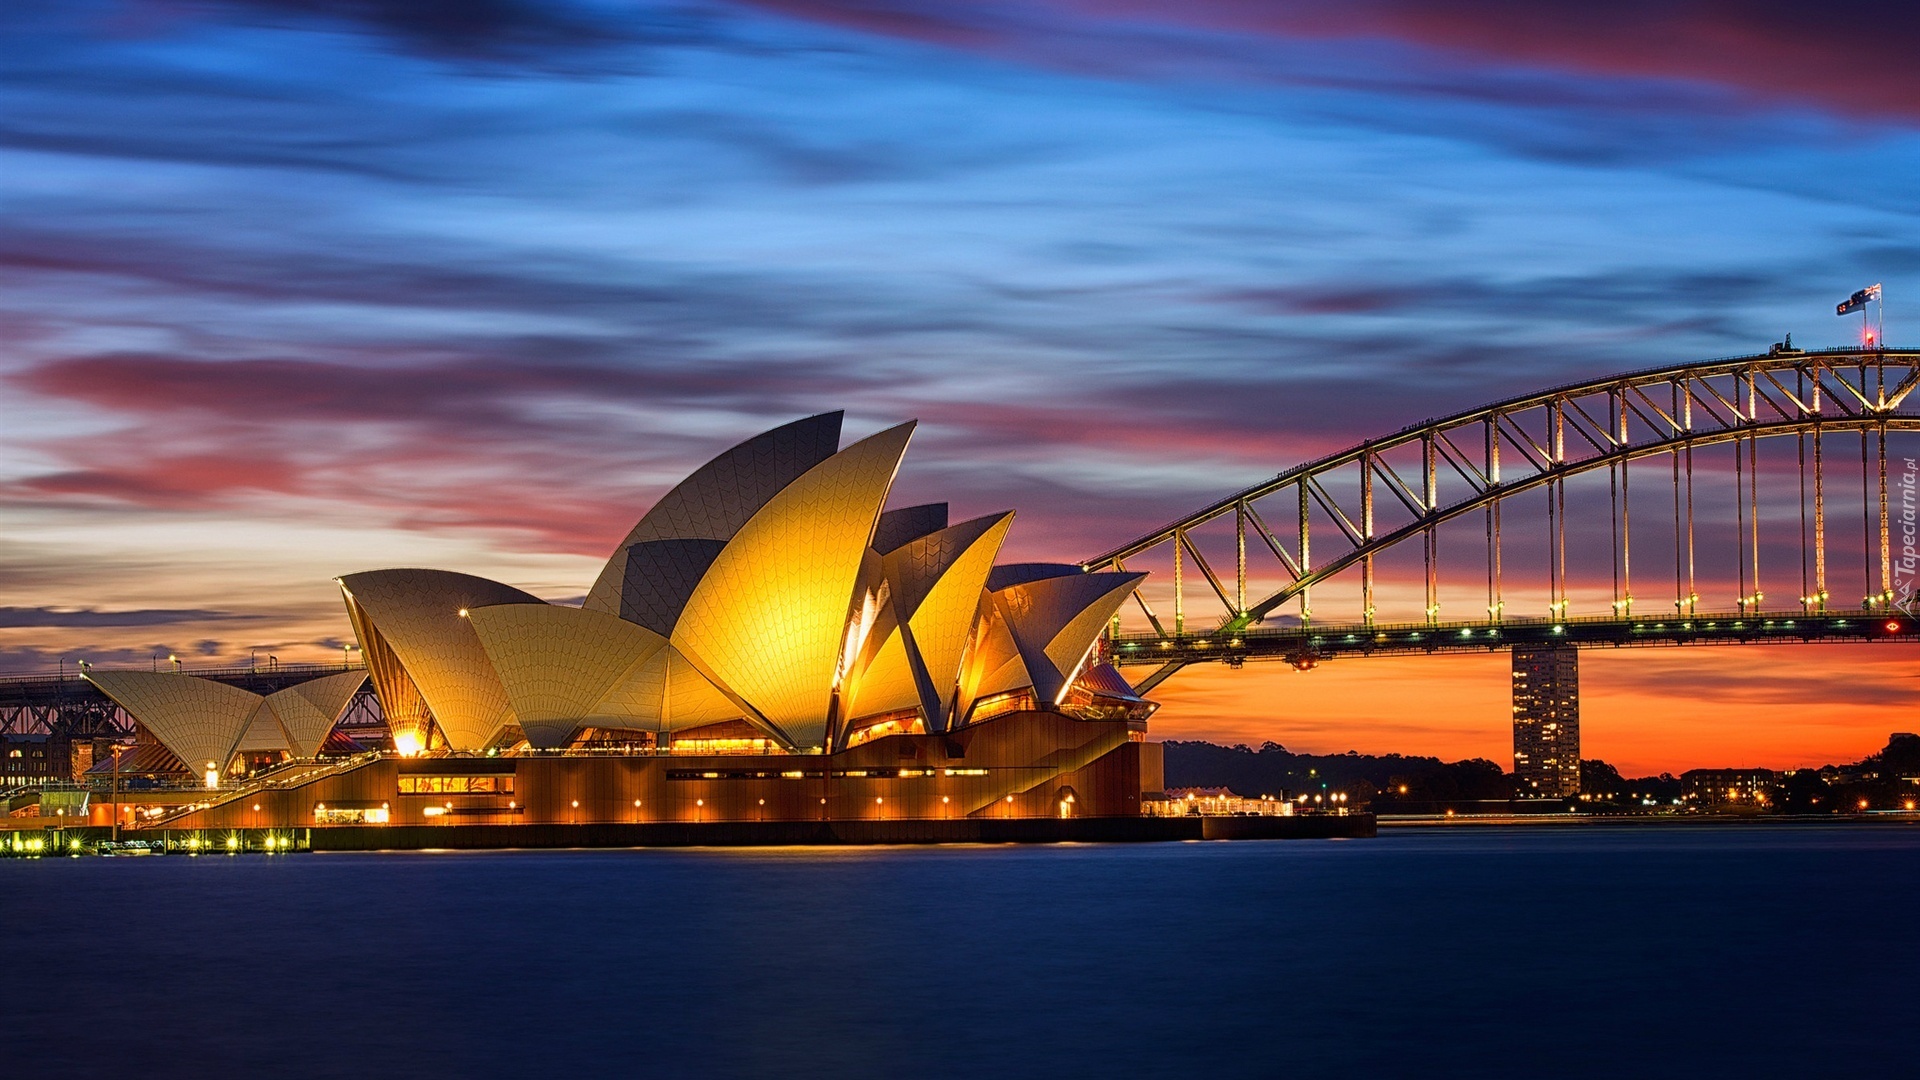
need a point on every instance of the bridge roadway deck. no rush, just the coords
(21, 690)
(1304, 645)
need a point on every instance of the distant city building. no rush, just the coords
(32, 760)
(1727, 787)
(1546, 721)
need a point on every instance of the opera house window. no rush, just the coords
(350, 814)
(456, 785)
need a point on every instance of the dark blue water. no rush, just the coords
(1535, 952)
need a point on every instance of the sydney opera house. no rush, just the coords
(768, 643)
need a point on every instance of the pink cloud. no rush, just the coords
(1764, 51)
(442, 448)
(917, 22)
(533, 459)
(178, 480)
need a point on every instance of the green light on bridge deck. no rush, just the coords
(1558, 629)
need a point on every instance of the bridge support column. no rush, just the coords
(1546, 721)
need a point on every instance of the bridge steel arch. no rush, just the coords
(1475, 461)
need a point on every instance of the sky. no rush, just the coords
(287, 292)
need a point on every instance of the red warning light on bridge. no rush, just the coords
(1893, 627)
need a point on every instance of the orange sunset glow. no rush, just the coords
(1645, 711)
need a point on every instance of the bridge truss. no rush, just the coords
(68, 705)
(1669, 438)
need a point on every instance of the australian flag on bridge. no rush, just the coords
(1857, 301)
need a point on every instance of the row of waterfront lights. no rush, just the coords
(40, 845)
(1494, 630)
(442, 809)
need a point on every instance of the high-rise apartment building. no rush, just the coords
(1546, 721)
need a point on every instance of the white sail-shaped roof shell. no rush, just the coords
(889, 682)
(936, 584)
(308, 711)
(558, 663)
(200, 720)
(409, 721)
(945, 615)
(987, 654)
(661, 575)
(264, 733)
(896, 528)
(769, 621)
(1055, 621)
(1001, 667)
(418, 613)
(713, 504)
(665, 694)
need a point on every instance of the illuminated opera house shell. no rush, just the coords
(770, 599)
(205, 723)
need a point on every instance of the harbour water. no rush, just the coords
(1523, 952)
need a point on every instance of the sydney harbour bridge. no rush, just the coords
(1764, 499)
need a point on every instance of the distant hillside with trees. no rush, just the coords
(1275, 770)
(1394, 783)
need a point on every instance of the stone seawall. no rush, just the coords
(778, 833)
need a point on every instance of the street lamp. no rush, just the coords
(115, 804)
